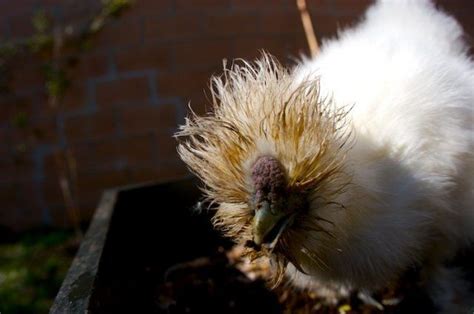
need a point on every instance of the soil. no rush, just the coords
(226, 283)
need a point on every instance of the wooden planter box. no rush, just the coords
(136, 235)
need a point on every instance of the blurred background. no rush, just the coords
(91, 93)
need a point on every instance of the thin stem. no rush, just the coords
(308, 27)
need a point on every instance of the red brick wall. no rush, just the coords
(131, 89)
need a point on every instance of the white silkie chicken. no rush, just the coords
(354, 166)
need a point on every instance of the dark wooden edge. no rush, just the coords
(77, 288)
(75, 292)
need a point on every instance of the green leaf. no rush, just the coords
(56, 80)
(40, 42)
(7, 50)
(20, 120)
(115, 7)
(40, 21)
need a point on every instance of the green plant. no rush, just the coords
(32, 269)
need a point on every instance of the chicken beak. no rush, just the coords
(268, 226)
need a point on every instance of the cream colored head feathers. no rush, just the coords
(260, 110)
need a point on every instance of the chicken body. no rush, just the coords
(406, 72)
(372, 143)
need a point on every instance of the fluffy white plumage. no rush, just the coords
(405, 73)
